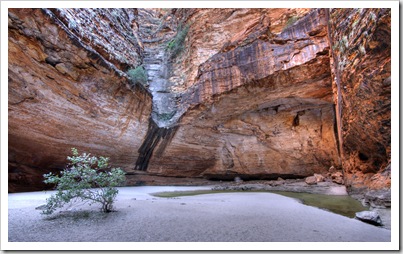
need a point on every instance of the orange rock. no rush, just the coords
(365, 124)
(256, 95)
(310, 180)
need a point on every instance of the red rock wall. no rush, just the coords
(217, 30)
(64, 93)
(260, 110)
(257, 89)
(361, 79)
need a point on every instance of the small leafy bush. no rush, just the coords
(138, 75)
(176, 45)
(86, 178)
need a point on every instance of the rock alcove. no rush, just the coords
(250, 93)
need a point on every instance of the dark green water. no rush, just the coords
(343, 205)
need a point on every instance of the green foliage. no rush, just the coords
(166, 116)
(86, 178)
(291, 21)
(176, 45)
(138, 75)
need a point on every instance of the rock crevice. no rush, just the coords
(156, 137)
(252, 93)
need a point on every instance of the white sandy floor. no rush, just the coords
(227, 217)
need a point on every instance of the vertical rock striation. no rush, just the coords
(260, 110)
(156, 63)
(252, 93)
(156, 136)
(155, 34)
(361, 71)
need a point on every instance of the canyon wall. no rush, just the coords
(361, 70)
(253, 93)
(260, 107)
(66, 91)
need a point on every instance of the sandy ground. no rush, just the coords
(227, 217)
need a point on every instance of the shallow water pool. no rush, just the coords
(343, 205)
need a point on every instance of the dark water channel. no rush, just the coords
(343, 205)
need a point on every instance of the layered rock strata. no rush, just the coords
(67, 88)
(254, 93)
(258, 111)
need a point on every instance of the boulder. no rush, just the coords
(337, 177)
(370, 217)
(310, 180)
(319, 177)
(378, 198)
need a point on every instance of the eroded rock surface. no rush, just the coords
(361, 41)
(65, 92)
(254, 93)
(258, 111)
(371, 217)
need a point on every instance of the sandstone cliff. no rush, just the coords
(255, 93)
(361, 70)
(260, 109)
(67, 90)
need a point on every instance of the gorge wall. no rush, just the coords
(254, 93)
(260, 110)
(361, 68)
(66, 88)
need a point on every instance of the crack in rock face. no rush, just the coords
(157, 63)
(228, 101)
(226, 93)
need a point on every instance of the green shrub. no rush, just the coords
(166, 116)
(86, 178)
(291, 21)
(138, 75)
(176, 45)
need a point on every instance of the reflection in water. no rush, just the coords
(343, 205)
